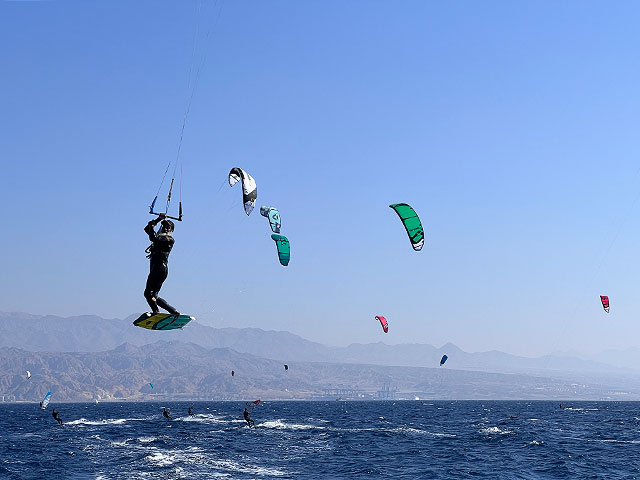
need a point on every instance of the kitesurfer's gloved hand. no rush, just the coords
(157, 220)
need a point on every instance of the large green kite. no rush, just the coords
(411, 223)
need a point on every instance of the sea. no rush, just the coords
(322, 440)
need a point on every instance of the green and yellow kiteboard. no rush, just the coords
(162, 321)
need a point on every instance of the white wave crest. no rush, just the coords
(205, 418)
(417, 431)
(535, 442)
(196, 457)
(281, 425)
(161, 459)
(107, 421)
(494, 431)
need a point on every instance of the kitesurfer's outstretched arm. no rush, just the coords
(150, 228)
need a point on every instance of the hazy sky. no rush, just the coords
(511, 128)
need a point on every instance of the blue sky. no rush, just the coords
(511, 128)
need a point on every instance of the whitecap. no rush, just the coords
(613, 440)
(120, 443)
(494, 431)
(147, 439)
(251, 469)
(167, 458)
(418, 431)
(161, 459)
(281, 425)
(205, 418)
(108, 421)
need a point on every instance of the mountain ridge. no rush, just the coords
(186, 371)
(91, 333)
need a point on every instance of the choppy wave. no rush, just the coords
(494, 431)
(280, 424)
(192, 457)
(311, 440)
(206, 418)
(535, 443)
(108, 421)
(418, 431)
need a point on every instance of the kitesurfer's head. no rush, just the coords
(166, 226)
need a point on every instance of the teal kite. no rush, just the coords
(284, 249)
(273, 215)
(411, 223)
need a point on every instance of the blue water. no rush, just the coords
(303, 440)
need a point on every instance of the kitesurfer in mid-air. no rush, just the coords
(158, 254)
(56, 416)
(250, 422)
(166, 413)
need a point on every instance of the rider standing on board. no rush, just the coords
(158, 254)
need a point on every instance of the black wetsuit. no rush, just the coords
(166, 414)
(56, 415)
(190, 412)
(159, 251)
(248, 419)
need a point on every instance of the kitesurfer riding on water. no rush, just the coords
(166, 414)
(158, 254)
(248, 418)
(56, 415)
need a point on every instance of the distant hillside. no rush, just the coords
(190, 372)
(94, 334)
(89, 333)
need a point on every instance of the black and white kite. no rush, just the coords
(249, 189)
